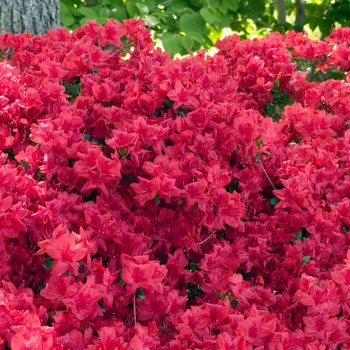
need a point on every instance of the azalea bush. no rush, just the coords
(151, 203)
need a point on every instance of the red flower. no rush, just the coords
(65, 250)
(182, 97)
(83, 304)
(31, 335)
(104, 92)
(112, 33)
(145, 190)
(59, 287)
(228, 207)
(139, 272)
(196, 192)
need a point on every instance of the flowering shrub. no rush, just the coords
(151, 203)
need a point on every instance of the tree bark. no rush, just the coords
(281, 11)
(300, 14)
(32, 16)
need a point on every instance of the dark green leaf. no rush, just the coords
(234, 303)
(232, 5)
(118, 13)
(299, 235)
(274, 201)
(193, 290)
(172, 44)
(255, 8)
(192, 23)
(192, 266)
(48, 263)
(132, 9)
(305, 259)
(25, 165)
(140, 293)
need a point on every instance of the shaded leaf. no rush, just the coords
(192, 23)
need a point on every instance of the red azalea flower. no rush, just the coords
(139, 272)
(145, 190)
(64, 250)
(182, 97)
(83, 304)
(31, 335)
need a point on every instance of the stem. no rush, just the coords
(267, 175)
(207, 239)
(135, 321)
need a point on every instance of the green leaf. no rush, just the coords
(63, 9)
(48, 263)
(157, 200)
(67, 21)
(192, 23)
(86, 137)
(72, 90)
(232, 5)
(305, 259)
(132, 9)
(186, 42)
(172, 44)
(225, 21)
(193, 290)
(299, 235)
(87, 12)
(140, 293)
(234, 303)
(118, 13)
(142, 8)
(222, 9)
(208, 14)
(25, 165)
(104, 12)
(274, 201)
(259, 142)
(302, 234)
(255, 8)
(325, 26)
(101, 20)
(85, 19)
(150, 20)
(179, 6)
(192, 266)
(194, 36)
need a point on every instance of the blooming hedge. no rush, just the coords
(151, 203)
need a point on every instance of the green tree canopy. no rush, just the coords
(185, 25)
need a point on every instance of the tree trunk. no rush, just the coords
(32, 16)
(300, 16)
(281, 11)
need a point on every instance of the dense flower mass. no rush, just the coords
(195, 203)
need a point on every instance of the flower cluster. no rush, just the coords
(196, 203)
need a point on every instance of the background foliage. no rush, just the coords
(185, 25)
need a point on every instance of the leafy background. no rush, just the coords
(188, 25)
